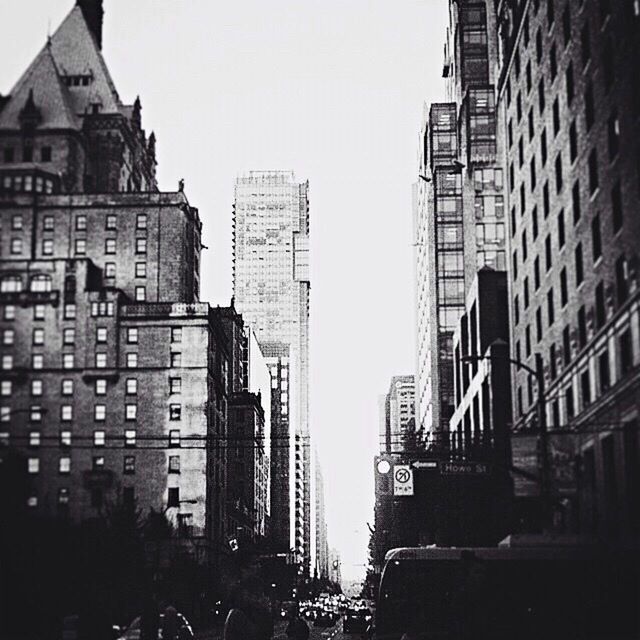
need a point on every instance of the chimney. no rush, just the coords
(93, 13)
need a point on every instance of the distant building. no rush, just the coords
(271, 289)
(399, 414)
(569, 104)
(321, 542)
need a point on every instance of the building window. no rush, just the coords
(550, 12)
(582, 326)
(38, 312)
(47, 247)
(34, 439)
(579, 264)
(561, 229)
(536, 273)
(566, 24)
(111, 222)
(132, 360)
(16, 222)
(63, 496)
(596, 237)
(616, 207)
(573, 142)
(541, 97)
(626, 352)
(603, 371)
(101, 387)
(69, 312)
(101, 334)
(129, 467)
(100, 412)
(16, 246)
(33, 465)
(66, 412)
(175, 412)
(575, 201)
(613, 131)
(532, 172)
(81, 223)
(539, 46)
(173, 497)
(38, 337)
(101, 360)
(538, 324)
(566, 345)
(81, 247)
(6, 387)
(65, 439)
(67, 387)
(527, 341)
(132, 386)
(130, 438)
(622, 287)
(110, 245)
(174, 464)
(546, 205)
(176, 334)
(593, 171)
(559, 172)
(553, 369)
(141, 269)
(68, 336)
(141, 221)
(8, 336)
(570, 83)
(553, 63)
(585, 385)
(7, 362)
(110, 270)
(176, 359)
(141, 245)
(174, 438)
(35, 414)
(131, 411)
(132, 334)
(524, 246)
(175, 385)
(141, 293)
(64, 465)
(68, 361)
(550, 307)
(99, 438)
(601, 310)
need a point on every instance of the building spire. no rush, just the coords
(93, 13)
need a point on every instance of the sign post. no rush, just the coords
(402, 480)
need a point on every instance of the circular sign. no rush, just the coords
(403, 476)
(384, 466)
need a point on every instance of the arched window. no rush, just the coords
(10, 284)
(40, 282)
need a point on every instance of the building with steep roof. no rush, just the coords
(63, 126)
(114, 377)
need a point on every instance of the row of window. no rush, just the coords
(65, 438)
(99, 412)
(69, 361)
(27, 184)
(28, 154)
(98, 462)
(48, 222)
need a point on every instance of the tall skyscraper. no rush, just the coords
(459, 204)
(569, 100)
(271, 288)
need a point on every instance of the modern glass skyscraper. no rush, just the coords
(271, 288)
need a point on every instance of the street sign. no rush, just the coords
(464, 468)
(425, 464)
(402, 480)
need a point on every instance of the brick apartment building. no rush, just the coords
(114, 379)
(570, 125)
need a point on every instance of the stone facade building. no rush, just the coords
(570, 102)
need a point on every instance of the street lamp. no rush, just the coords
(538, 374)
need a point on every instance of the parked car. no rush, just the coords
(357, 621)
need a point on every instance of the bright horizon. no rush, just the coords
(331, 90)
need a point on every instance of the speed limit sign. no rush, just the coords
(402, 480)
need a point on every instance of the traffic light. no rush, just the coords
(383, 466)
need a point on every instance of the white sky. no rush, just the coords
(332, 89)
